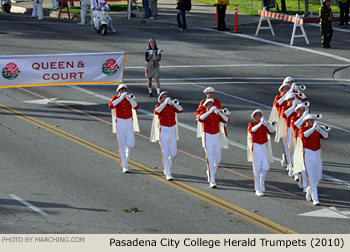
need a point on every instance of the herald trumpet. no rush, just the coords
(273, 123)
(131, 96)
(325, 127)
(301, 95)
(306, 104)
(175, 102)
(302, 87)
(226, 111)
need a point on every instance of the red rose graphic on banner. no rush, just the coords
(10, 71)
(110, 67)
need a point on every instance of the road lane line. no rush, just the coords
(243, 65)
(260, 221)
(283, 45)
(26, 203)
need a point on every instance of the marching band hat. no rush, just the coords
(309, 117)
(160, 95)
(288, 79)
(283, 85)
(299, 105)
(120, 86)
(209, 90)
(207, 101)
(254, 112)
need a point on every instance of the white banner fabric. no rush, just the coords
(62, 69)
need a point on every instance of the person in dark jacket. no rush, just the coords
(182, 7)
(326, 19)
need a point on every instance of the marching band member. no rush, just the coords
(211, 118)
(296, 121)
(124, 106)
(209, 93)
(259, 150)
(275, 116)
(311, 134)
(164, 129)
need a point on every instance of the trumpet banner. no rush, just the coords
(62, 69)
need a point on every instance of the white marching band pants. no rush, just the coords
(285, 149)
(125, 139)
(313, 165)
(213, 153)
(260, 164)
(168, 146)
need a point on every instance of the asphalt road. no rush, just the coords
(61, 158)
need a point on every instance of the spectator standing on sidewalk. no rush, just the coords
(154, 8)
(326, 19)
(35, 9)
(84, 6)
(153, 56)
(145, 6)
(344, 11)
(221, 10)
(54, 5)
(182, 7)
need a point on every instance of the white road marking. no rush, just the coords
(52, 100)
(336, 181)
(334, 28)
(283, 45)
(277, 79)
(328, 213)
(26, 203)
(245, 65)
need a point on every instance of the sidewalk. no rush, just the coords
(201, 15)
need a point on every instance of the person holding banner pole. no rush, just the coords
(153, 56)
(124, 106)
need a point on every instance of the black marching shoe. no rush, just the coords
(150, 94)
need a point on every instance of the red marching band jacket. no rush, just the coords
(167, 116)
(293, 118)
(259, 136)
(123, 108)
(313, 142)
(211, 123)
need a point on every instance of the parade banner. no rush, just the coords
(62, 69)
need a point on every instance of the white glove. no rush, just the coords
(133, 103)
(256, 127)
(310, 131)
(150, 52)
(121, 97)
(212, 109)
(293, 87)
(167, 100)
(159, 51)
